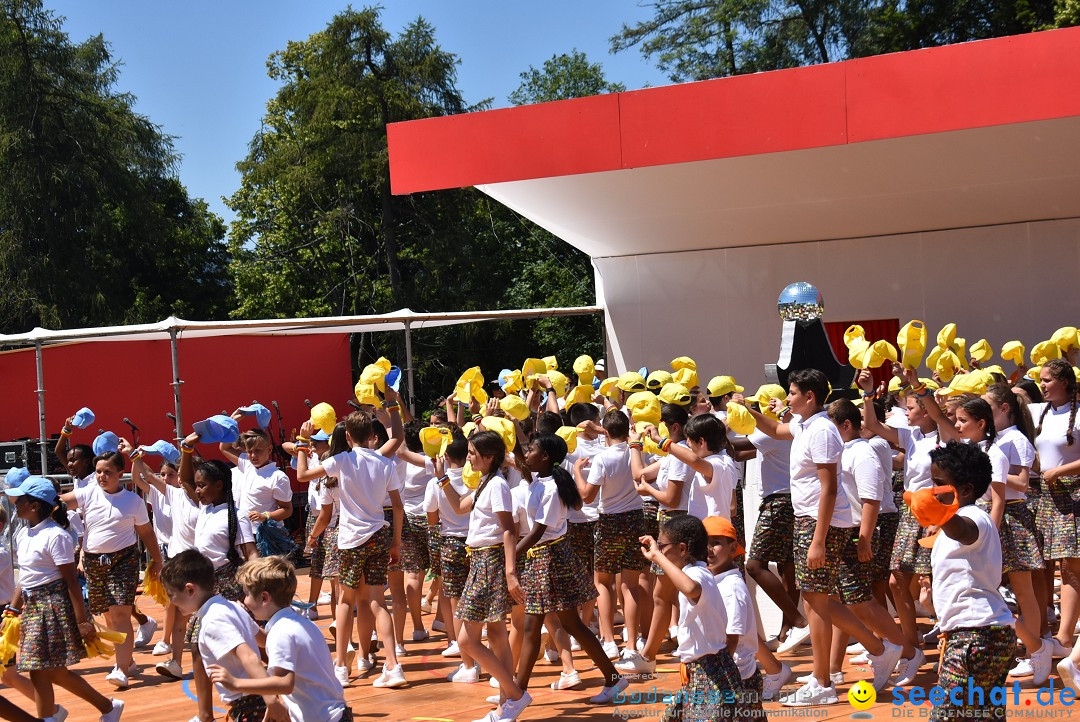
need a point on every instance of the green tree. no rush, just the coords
(569, 75)
(95, 227)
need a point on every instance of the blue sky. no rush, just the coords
(198, 68)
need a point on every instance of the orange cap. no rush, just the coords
(719, 526)
(926, 507)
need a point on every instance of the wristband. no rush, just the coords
(869, 394)
(185, 448)
(66, 431)
(302, 445)
(302, 439)
(640, 446)
(665, 444)
(916, 389)
(477, 419)
(8, 609)
(266, 515)
(390, 406)
(444, 480)
(784, 412)
(136, 454)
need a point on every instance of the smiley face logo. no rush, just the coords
(862, 695)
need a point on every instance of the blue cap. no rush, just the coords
(292, 463)
(320, 435)
(644, 371)
(38, 487)
(82, 418)
(106, 442)
(217, 429)
(163, 449)
(393, 378)
(260, 412)
(504, 378)
(16, 476)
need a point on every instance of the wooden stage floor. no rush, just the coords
(153, 698)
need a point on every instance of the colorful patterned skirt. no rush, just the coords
(249, 708)
(434, 532)
(773, 530)
(887, 524)
(415, 557)
(908, 555)
(50, 634)
(553, 579)
(1021, 542)
(454, 561)
(331, 558)
(1060, 509)
(711, 690)
(979, 657)
(616, 544)
(485, 597)
(824, 579)
(368, 562)
(112, 579)
(583, 539)
(650, 513)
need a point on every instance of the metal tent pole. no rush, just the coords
(176, 384)
(42, 450)
(409, 368)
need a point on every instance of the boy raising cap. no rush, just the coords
(298, 660)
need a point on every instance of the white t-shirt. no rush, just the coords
(816, 442)
(1052, 443)
(329, 496)
(185, 514)
(672, 468)
(775, 457)
(451, 523)
(702, 625)
(610, 470)
(7, 575)
(363, 479)
(313, 496)
(396, 482)
(40, 550)
(713, 497)
(212, 534)
(414, 483)
(159, 505)
(519, 497)
(1020, 452)
(484, 527)
(966, 577)
(586, 449)
(885, 458)
(544, 506)
(861, 477)
(999, 468)
(741, 619)
(110, 519)
(263, 487)
(75, 526)
(88, 480)
(224, 626)
(896, 417)
(916, 446)
(295, 644)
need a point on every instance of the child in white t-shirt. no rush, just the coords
(298, 661)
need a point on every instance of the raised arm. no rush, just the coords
(869, 413)
(63, 443)
(187, 468)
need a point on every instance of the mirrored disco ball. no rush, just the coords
(800, 301)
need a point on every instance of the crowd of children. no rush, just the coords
(600, 518)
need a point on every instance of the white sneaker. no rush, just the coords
(364, 664)
(1022, 668)
(60, 714)
(145, 632)
(425, 606)
(772, 643)
(493, 699)
(312, 613)
(795, 637)
(1051, 615)
(324, 598)
(391, 678)
(133, 669)
(113, 715)
(419, 635)
(438, 626)
(551, 656)
(634, 664)
(483, 633)
(1059, 649)
(1041, 663)
(117, 678)
(566, 681)
(834, 677)
(374, 636)
(461, 675)
(855, 649)
(1070, 675)
(575, 646)
(931, 636)
(170, 669)
(863, 658)
(162, 650)
(512, 708)
(639, 645)
(884, 664)
(608, 694)
(610, 649)
(773, 683)
(332, 628)
(451, 650)
(493, 683)
(810, 694)
(399, 650)
(907, 669)
(342, 674)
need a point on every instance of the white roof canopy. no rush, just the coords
(402, 320)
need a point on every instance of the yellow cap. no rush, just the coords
(375, 373)
(585, 369)
(435, 439)
(930, 384)
(568, 434)
(981, 351)
(852, 333)
(470, 385)
(959, 347)
(683, 362)
(894, 385)
(911, 340)
(722, 386)
(1045, 351)
(1034, 373)
(650, 446)
(559, 382)
(766, 392)
(580, 395)
(947, 364)
(533, 367)
(609, 386)
(644, 406)
(470, 478)
(739, 419)
(882, 351)
(365, 394)
(468, 429)
(324, 417)
(974, 382)
(686, 376)
(658, 379)
(1065, 338)
(1013, 351)
(995, 369)
(502, 427)
(631, 381)
(551, 362)
(514, 406)
(946, 335)
(675, 394)
(511, 381)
